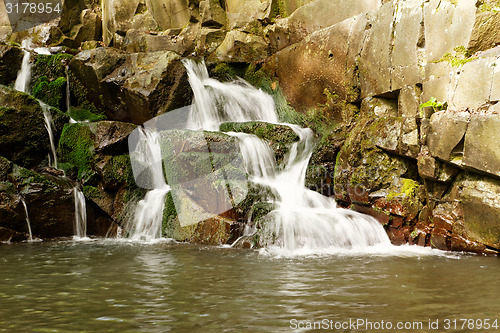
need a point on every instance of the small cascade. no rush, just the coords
(217, 102)
(80, 214)
(148, 216)
(27, 220)
(48, 125)
(303, 220)
(24, 74)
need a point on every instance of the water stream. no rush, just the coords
(304, 220)
(27, 220)
(80, 214)
(48, 126)
(24, 74)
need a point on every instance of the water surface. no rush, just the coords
(113, 286)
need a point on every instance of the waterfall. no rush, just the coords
(303, 220)
(216, 102)
(148, 216)
(80, 214)
(27, 220)
(48, 126)
(24, 74)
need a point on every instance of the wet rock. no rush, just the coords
(314, 71)
(239, 46)
(111, 136)
(481, 150)
(99, 154)
(484, 34)
(439, 239)
(212, 14)
(240, 13)
(132, 87)
(189, 222)
(145, 85)
(89, 29)
(90, 67)
(480, 201)
(10, 63)
(447, 130)
(210, 40)
(23, 137)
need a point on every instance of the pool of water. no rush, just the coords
(116, 286)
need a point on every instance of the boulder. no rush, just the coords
(242, 12)
(90, 29)
(239, 46)
(212, 14)
(487, 23)
(23, 136)
(480, 208)
(97, 155)
(481, 149)
(10, 63)
(132, 87)
(314, 71)
(447, 131)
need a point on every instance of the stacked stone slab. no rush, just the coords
(388, 59)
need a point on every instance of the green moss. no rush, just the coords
(25, 177)
(52, 93)
(119, 171)
(459, 57)
(81, 114)
(52, 66)
(77, 148)
(92, 192)
(278, 9)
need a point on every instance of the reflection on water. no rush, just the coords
(108, 286)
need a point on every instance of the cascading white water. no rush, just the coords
(48, 126)
(27, 220)
(80, 214)
(24, 74)
(216, 102)
(148, 216)
(303, 219)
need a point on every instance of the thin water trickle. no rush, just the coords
(303, 219)
(27, 220)
(24, 74)
(48, 126)
(80, 214)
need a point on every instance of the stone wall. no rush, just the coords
(429, 174)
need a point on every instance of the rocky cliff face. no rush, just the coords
(409, 90)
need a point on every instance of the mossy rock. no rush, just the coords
(51, 92)
(279, 137)
(23, 137)
(10, 63)
(76, 147)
